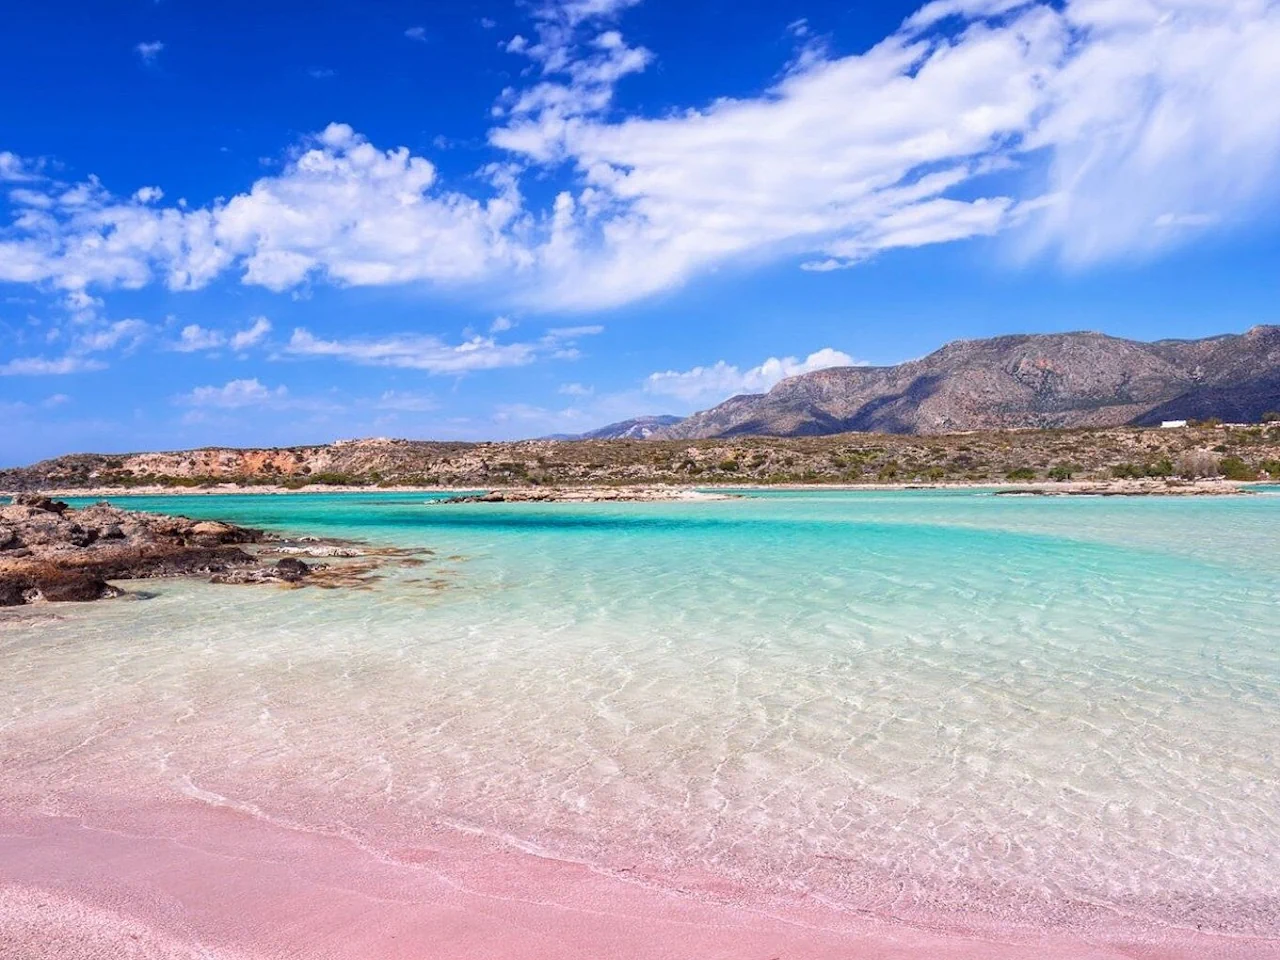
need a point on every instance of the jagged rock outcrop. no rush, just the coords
(1036, 381)
(53, 553)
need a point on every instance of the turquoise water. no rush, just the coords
(1029, 709)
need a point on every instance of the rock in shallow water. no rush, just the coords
(50, 552)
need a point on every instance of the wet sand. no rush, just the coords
(198, 880)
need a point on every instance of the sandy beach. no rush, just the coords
(207, 880)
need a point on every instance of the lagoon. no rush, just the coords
(802, 723)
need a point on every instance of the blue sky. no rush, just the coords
(293, 222)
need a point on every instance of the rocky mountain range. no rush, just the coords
(1024, 381)
(637, 428)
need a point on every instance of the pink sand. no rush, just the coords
(185, 880)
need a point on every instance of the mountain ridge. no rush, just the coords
(634, 428)
(1015, 381)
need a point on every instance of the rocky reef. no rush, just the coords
(648, 494)
(51, 552)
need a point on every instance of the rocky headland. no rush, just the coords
(51, 552)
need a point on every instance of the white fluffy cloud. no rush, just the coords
(194, 338)
(235, 394)
(579, 58)
(341, 209)
(14, 169)
(1084, 130)
(712, 384)
(149, 51)
(251, 337)
(363, 216)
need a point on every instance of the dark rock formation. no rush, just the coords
(51, 552)
(1037, 381)
(286, 570)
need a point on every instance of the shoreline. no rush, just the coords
(53, 553)
(301, 784)
(471, 895)
(675, 492)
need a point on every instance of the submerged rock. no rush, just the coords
(286, 570)
(291, 568)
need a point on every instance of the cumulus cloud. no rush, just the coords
(363, 216)
(721, 380)
(341, 209)
(254, 335)
(1085, 130)
(234, 395)
(194, 338)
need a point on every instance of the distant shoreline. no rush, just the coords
(1214, 487)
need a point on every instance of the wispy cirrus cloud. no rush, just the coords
(414, 352)
(90, 337)
(46, 367)
(403, 401)
(122, 334)
(1082, 131)
(437, 356)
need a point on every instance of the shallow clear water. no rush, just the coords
(1024, 710)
